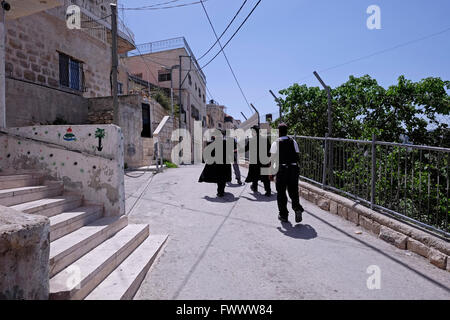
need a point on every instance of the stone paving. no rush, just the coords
(235, 247)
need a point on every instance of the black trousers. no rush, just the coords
(287, 179)
(221, 187)
(266, 185)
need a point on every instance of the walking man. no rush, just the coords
(237, 171)
(218, 171)
(286, 154)
(254, 168)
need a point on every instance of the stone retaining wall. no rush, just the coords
(24, 254)
(397, 233)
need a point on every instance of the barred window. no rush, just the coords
(195, 113)
(164, 76)
(70, 72)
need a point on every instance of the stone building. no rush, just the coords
(56, 66)
(139, 117)
(215, 115)
(158, 63)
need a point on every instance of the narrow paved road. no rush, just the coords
(235, 248)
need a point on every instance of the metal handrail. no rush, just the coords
(408, 182)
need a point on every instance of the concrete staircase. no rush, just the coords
(91, 256)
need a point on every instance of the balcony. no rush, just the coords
(22, 8)
(98, 27)
(164, 45)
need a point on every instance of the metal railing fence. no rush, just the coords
(409, 182)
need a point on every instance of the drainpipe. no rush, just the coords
(4, 6)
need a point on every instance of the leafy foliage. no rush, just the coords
(362, 107)
(410, 181)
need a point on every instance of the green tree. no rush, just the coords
(361, 107)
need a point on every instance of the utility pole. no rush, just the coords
(244, 116)
(327, 88)
(4, 6)
(256, 110)
(279, 104)
(180, 107)
(328, 155)
(115, 62)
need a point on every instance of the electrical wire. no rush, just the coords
(234, 34)
(140, 54)
(166, 7)
(226, 58)
(374, 54)
(231, 22)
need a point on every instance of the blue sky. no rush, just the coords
(284, 41)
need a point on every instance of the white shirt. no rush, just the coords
(274, 147)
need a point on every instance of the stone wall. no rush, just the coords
(217, 115)
(130, 120)
(395, 232)
(24, 254)
(138, 150)
(32, 50)
(42, 105)
(73, 154)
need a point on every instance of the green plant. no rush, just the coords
(162, 99)
(169, 164)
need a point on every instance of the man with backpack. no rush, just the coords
(285, 151)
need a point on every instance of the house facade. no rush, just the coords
(158, 63)
(51, 69)
(215, 115)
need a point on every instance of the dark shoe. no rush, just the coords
(283, 219)
(220, 195)
(254, 189)
(268, 194)
(298, 215)
(239, 182)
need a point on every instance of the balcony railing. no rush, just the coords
(97, 27)
(168, 44)
(407, 182)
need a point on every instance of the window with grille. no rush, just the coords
(164, 76)
(195, 113)
(70, 72)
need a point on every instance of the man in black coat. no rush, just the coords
(219, 171)
(285, 151)
(254, 169)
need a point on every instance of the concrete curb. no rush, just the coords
(399, 234)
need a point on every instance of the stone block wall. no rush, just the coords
(41, 105)
(32, 51)
(24, 254)
(138, 150)
(75, 155)
(397, 233)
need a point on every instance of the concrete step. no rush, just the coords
(125, 280)
(19, 180)
(73, 246)
(67, 222)
(80, 278)
(50, 206)
(13, 196)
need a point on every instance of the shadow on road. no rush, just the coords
(235, 185)
(299, 231)
(229, 197)
(258, 197)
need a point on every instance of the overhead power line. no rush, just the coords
(375, 54)
(234, 34)
(231, 22)
(226, 58)
(155, 7)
